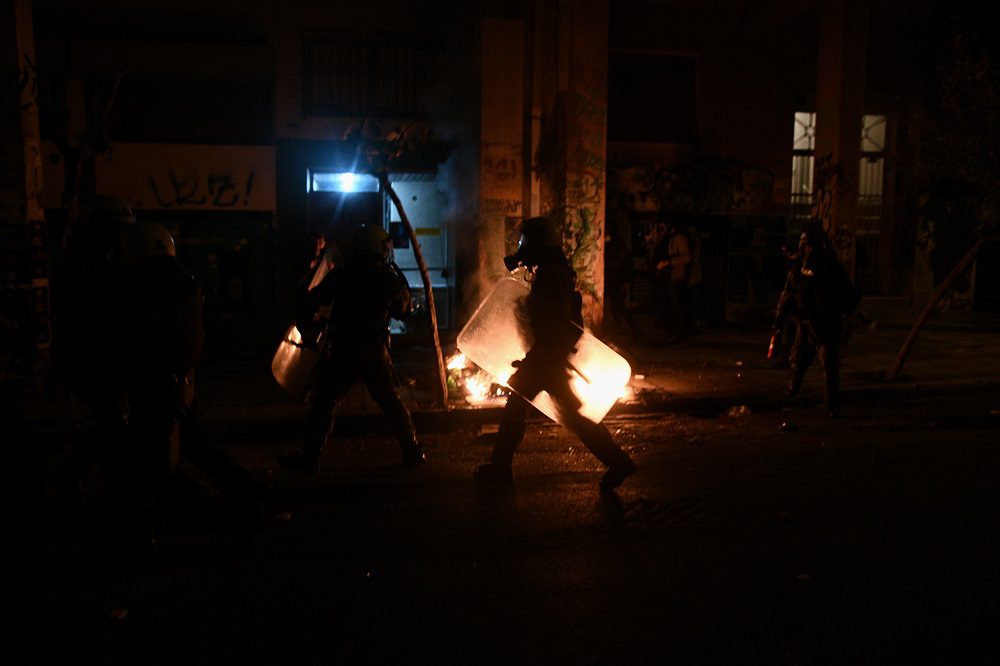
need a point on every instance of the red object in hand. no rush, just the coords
(770, 347)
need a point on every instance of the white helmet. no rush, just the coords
(144, 240)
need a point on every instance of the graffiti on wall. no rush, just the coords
(27, 82)
(501, 187)
(500, 171)
(586, 166)
(722, 187)
(830, 185)
(825, 182)
(636, 189)
(745, 204)
(218, 190)
(189, 177)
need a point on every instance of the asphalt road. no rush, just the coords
(781, 537)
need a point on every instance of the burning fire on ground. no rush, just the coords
(472, 384)
(479, 388)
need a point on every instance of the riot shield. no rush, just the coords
(493, 339)
(295, 360)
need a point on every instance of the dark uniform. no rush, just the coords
(162, 338)
(85, 305)
(671, 260)
(551, 323)
(618, 271)
(817, 298)
(364, 293)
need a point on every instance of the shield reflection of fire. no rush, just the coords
(476, 386)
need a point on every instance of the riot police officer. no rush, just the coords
(551, 321)
(162, 337)
(85, 302)
(363, 293)
(818, 296)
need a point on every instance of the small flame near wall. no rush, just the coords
(466, 381)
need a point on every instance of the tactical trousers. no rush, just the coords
(167, 448)
(812, 340)
(533, 376)
(337, 374)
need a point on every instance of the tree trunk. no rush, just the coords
(87, 154)
(429, 293)
(932, 302)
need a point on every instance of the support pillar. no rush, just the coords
(843, 40)
(25, 292)
(501, 148)
(570, 66)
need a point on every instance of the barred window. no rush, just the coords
(870, 173)
(359, 74)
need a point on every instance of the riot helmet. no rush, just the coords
(537, 234)
(106, 216)
(143, 241)
(371, 241)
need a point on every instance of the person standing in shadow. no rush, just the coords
(618, 271)
(161, 340)
(671, 260)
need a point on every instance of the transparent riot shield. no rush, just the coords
(493, 339)
(294, 361)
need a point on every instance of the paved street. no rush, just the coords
(780, 537)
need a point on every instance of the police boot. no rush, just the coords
(617, 474)
(414, 455)
(795, 383)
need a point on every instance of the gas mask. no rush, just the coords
(523, 256)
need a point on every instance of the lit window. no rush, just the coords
(873, 134)
(873, 137)
(324, 181)
(871, 184)
(803, 145)
(804, 137)
(870, 176)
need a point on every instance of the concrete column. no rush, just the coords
(843, 39)
(571, 66)
(501, 142)
(22, 218)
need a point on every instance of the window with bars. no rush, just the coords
(803, 149)
(360, 74)
(870, 173)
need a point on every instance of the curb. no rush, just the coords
(437, 420)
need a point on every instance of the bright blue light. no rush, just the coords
(344, 182)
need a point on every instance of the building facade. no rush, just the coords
(234, 125)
